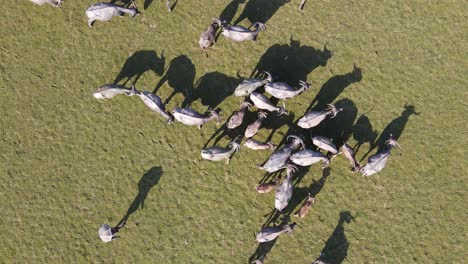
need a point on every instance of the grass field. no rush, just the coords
(70, 163)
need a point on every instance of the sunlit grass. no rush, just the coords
(71, 163)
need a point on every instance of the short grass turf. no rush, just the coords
(70, 163)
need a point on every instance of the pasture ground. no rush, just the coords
(70, 162)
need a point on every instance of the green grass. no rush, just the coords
(70, 163)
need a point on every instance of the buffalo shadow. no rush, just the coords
(124, 3)
(340, 128)
(332, 88)
(219, 134)
(212, 89)
(275, 122)
(148, 181)
(228, 14)
(230, 11)
(180, 76)
(140, 62)
(262, 250)
(330, 91)
(363, 132)
(336, 247)
(146, 4)
(394, 128)
(260, 10)
(291, 62)
(169, 5)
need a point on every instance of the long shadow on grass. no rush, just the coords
(275, 122)
(168, 3)
(218, 135)
(332, 88)
(291, 62)
(146, 4)
(212, 89)
(363, 132)
(336, 247)
(139, 63)
(262, 250)
(230, 11)
(148, 181)
(260, 10)
(124, 3)
(395, 128)
(339, 128)
(179, 76)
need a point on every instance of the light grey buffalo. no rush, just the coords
(314, 118)
(154, 103)
(55, 3)
(247, 86)
(284, 91)
(257, 145)
(105, 11)
(285, 190)
(348, 152)
(218, 153)
(262, 102)
(278, 158)
(237, 117)
(253, 128)
(207, 37)
(272, 232)
(239, 33)
(308, 157)
(190, 117)
(378, 161)
(325, 144)
(108, 91)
